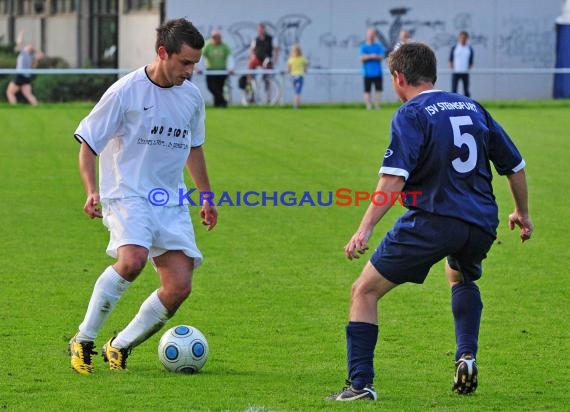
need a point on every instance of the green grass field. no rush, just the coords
(272, 295)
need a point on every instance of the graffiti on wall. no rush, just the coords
(460, 22)
(388, 31)
(287, 31)
(330, 34)
(435, 32)
(439, 34)
(528, 40)
(525, 39)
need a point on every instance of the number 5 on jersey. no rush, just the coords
(460, 139)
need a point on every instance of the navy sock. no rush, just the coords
(466, 306)
(361, 340)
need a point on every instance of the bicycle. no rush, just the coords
(227, 90)
(260, 88)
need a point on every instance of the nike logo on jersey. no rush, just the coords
(146, 108)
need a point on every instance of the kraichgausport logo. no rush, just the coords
(340, 197)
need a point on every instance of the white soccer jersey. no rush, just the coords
(143, 134)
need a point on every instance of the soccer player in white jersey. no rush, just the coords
(441, 146)
(145, 129)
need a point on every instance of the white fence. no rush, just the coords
(345, 85)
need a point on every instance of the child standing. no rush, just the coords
(297, 68)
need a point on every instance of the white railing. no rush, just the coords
(345, 85)
(312, 71)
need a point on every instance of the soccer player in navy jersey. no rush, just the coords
(442, 145)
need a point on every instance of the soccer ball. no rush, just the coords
(183, 349)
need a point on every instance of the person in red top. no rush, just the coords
(263, 52)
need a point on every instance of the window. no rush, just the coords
(4, 7)
(105, 6)
(141, 5)
(103, 39)
(21, 7)
(29, 7)
(62, 6)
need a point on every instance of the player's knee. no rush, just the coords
(359, 289)
(12, 89)
(183, 291)
(176, 295)
(454, 278)
(133, 264)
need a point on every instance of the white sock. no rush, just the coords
(106, 292)
(151, 317)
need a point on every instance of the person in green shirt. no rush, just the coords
(217, 56)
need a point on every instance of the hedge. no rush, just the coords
(58, 88)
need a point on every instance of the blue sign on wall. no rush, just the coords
(562, 80)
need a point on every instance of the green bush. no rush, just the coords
(5, 47)
(52, 63)
(7, 59)
(56, 87)
(65, 88)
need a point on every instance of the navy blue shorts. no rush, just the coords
(420, 239)
(21, 80)
(298, 84)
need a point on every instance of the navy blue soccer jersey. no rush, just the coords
(442, 144)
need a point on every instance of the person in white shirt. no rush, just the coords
(146, 129)
(461, 61)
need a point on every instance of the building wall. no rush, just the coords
(64, 36)
(68, 38)
(61, 37)
(136, 38)
(4, 30)
(32, 30)
(504, 34)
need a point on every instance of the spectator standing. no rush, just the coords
(28, 57)
(263, 52)
(404, 38)
(297, 67)
(461, 61)
(217, 56)
(371, 54)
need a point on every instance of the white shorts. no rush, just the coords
(134, 221)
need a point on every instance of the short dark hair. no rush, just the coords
(416, 61)
(173, 33)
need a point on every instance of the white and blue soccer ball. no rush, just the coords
(183, 349)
